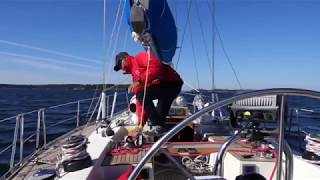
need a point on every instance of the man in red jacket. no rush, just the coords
(161, 81)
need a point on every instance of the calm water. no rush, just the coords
(17, 100)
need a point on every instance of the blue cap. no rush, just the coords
(118, 60)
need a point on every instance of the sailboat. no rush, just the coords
(110, 147)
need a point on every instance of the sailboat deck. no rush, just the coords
(47, 158)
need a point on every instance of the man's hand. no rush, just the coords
(132, 86)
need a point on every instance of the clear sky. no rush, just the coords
(271, 43)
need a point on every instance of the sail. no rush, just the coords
(152, 22)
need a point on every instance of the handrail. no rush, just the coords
(278, 91)
(217, 170)
(194, 94)
(19, 129)
(56, 106)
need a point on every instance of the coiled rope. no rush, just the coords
(199, 164)
(313, 146)
(75, 148)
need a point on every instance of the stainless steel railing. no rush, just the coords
(280, 91)
(39, 118)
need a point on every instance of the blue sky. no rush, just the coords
(271, 43)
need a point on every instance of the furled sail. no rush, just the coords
(152, 23)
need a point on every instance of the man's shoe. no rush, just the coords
(156, 131)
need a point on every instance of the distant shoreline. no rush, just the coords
(66, 86)
(90, 87)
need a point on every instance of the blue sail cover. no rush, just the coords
(160, 24)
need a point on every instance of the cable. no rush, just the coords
(202, 36)
(228, 58)
(194, 56)
(116, 41)
(24, 56)
(109, 46)
(223, 48)
(188, 84)
(49, 51)
(125, 40)
(184, 32)
(104, 43)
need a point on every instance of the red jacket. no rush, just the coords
(158, 71)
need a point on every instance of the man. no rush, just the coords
(161, 81)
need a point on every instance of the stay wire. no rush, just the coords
(110, 41)
(194, 56)
(228, 58)
(116, 39)
(184, 32)
(104, 43)
(223, 47)
(202, 36)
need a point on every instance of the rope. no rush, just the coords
(145, 85)
(313, 144)
(199, 164)
(75, 148)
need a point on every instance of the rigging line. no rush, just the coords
(190, 86)
(104, 43)
(111, 36)
(45, 59)
(116, 40)
(176, 12)
(145, 84)
(114, 28)
(49, 51)
(223, 48)
(203, 38)
(175, 17)
(93, 98)
(118, 31)
(125, 40)
(184, 32)
(213, 50)
(228, 58)
(194, 56)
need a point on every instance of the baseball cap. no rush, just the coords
(118, 60)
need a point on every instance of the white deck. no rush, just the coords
(304, 170)
(97, 148)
